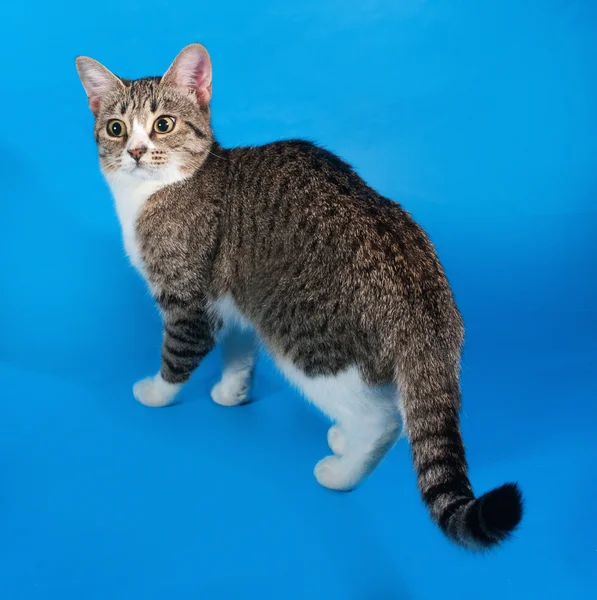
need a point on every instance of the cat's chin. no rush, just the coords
(140, 173)
(129, 175)
(143, 172)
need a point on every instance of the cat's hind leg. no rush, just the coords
(359, 442)
(337, 440)
(367, 423)
(239, 352)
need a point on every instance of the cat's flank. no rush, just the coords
(286, 242)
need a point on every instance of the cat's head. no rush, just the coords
(155, 129)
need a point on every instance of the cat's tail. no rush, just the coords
(430, 398)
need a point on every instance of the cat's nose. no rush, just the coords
(137, 152)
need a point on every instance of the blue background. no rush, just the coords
(481, 118)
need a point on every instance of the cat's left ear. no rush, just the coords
(191, 73)
(97, 81)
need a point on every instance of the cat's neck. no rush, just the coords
(130, 194)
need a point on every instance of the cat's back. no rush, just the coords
(308, 240)
(300, 170)
(296, 197)
(298, 213)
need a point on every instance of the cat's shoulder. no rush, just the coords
(306, 152)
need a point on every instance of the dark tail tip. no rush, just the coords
(495, 515)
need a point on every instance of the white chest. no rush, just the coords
(129, 197)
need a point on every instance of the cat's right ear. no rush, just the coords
(97, 81)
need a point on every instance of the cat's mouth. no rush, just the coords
(141, 170)
(145, 171)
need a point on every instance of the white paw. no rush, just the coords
(155, 392)
(335, 474)
(337, 440)
(229, 393)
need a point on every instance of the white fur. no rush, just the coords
(155, 391)
(139, 137)
(131, 187)
(225, 308)
(239, 352)
(367, 417)
(239, 349)
(130, 194)
(367, 422)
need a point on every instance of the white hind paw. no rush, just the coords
(335, 474)
(229, 393)
(337, 440)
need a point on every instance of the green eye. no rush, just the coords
(116, 128)
(164, 124)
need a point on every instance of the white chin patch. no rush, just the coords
(166, 174)
(144, 173)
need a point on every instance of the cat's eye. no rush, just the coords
(164, 124)
(116, 128)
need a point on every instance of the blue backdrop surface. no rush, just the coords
(481, 119)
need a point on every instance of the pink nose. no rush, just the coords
(137, 152)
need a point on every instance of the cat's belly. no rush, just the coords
(339, 395)
(225, 308)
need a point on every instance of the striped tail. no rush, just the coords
(431, 401)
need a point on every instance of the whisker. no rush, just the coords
(217, 155)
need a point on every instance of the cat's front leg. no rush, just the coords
(155, 391)
(188, 337)
(239, 351)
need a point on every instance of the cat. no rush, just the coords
(286, 245)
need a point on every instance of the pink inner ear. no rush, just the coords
(97, 80)
(94, 104)
(192, 71)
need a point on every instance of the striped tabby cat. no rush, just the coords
(285, 243)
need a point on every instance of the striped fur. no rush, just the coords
(287, 242)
